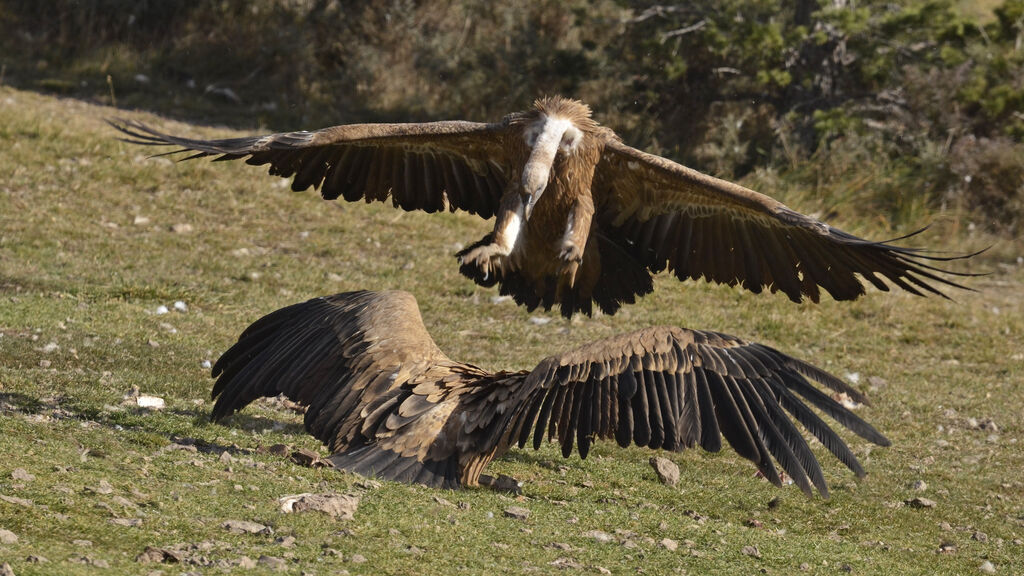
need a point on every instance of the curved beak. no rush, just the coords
(537, 170)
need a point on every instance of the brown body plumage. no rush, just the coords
(388, 403)
(581, 217)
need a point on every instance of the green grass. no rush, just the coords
(88, 251)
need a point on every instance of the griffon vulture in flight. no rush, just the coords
(388, 403)
(581, 217)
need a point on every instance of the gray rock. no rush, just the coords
(273, 563)
(516, 512)
(600, 536)
(920, 502)
(8, 537)
(667, 471)
(339, 506)
(246, 527)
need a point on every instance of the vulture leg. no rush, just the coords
(490, 257)
(577, 229)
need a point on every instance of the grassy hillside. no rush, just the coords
(95, 237)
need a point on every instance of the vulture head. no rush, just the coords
(556, 129)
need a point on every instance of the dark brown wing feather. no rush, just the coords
(432, 166)
(703, 227)
(673, 388)
(370, 376)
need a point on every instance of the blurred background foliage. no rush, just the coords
(899, 109)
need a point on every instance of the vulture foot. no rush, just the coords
(486, 258)
(571, 256)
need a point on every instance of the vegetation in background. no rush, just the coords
(919, 103)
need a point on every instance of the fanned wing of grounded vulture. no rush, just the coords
(581, 217)
(388, 403)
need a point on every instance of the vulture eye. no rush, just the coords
(531, 137)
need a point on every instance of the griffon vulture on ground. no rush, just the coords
(581, 217)
(388, 403)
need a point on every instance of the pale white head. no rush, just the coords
(547, 136)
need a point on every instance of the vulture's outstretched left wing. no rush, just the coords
(369, 374)
(700, 226)
(432, 166)
(672, 388)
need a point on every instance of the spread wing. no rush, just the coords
(372, 379)
(673, 388)
(700, 226)
(433, 166)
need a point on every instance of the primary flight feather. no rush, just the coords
(581, 218)
(389, 403)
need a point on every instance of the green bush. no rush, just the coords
(730, 86)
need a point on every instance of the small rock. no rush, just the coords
(180, 306)
(919, 485)
(181, 228)
(751, 551)
(286, 541)
(161, 309)
(979, 536)
(273, 563)
(8, 537)
(947, 547)
(310, 459)
(128, 522)
(140, 220)
(153, 555)
(245, 563)
(357, 558)
(34, 559)
(6, 570)
(539, 320)
(246, 527)
(805, 567)
(667, 471)
(22, 474)
(279, 450)
(151, 402)
(600, 536)
(516, 512)
(987, 567)
(565, 563)
(82, 543)
(103, 487)
(340, 506)
(669, 544)
(920, 502)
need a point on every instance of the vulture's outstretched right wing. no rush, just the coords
(673, 388)
(432, 166)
